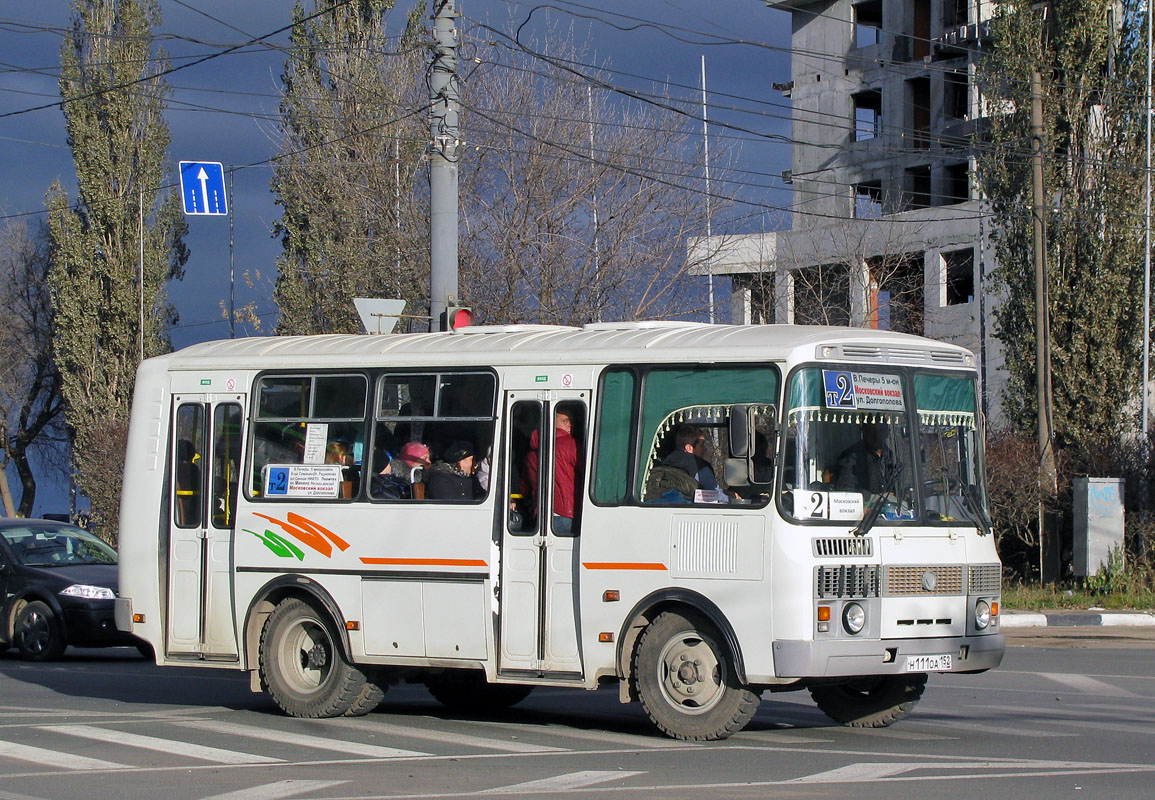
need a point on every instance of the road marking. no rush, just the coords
(608, 737)
(303, 740)
(272, 791)
(901, 735)
(1085, 683)
(854, 773)
(963, 723)
(444, 737)
(170, 746)
(776, 736)
(561, 783)
(53, 758)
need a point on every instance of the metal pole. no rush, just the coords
(1047, 474)
(709, 209)
(232, 297)
(140, 294)
(1147, 246)
(597, 254)
(444, 149)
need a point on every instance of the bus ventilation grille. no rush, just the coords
(841, 547)
(985, 579)
(939, 579)
(849, 580)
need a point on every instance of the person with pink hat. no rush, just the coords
(395, 481)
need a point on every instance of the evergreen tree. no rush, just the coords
(102, 288)
(1093, 67)
(353, 134)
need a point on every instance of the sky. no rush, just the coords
(224, 110)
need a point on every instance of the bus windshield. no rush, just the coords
(855, 440)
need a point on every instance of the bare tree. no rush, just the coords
(30, 398)
(576, 205)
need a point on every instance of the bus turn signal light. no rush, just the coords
(138, 618)
(352, 625)
(611, 596)
(824, 613)
(605, 636)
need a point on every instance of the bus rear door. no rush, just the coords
(539, 607)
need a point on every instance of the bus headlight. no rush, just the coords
(982, 614)
(853, 618)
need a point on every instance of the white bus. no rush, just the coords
(846, 548)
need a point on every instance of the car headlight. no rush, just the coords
(853, 618)
(982, 614)
(89, 592)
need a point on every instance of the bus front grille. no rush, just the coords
(938, 579)
(848, 580)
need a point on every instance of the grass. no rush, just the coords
(1017, 597)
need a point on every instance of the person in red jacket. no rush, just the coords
(565, 470)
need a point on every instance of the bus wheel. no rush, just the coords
(686, 680)
(871, 702)
(467, 691)
(303, 668)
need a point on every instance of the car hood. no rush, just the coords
(65, 576)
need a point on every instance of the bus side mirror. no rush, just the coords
(740, 431)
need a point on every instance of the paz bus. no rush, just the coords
(244, 545)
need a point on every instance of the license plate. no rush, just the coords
(928, 663)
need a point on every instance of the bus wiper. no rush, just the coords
(871, 516)
(976, 508)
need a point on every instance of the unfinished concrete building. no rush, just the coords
(886, 227)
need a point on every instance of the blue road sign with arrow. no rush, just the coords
(202, 187)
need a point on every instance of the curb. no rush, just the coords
(1073, 619)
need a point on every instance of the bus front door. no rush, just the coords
(206, 452)
(539, 595)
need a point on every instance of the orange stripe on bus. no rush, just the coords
(622, 565)
(427, 562)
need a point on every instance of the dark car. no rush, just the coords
(58, 584)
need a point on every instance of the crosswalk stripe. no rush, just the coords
(53, 758)
(444, 737)
(605, 737)
(572, 780)
(1085, 683)
(169, 746)
(273, 791)
(287, 737)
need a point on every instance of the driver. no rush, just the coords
(864, 465)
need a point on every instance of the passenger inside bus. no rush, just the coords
(402, 477)
(566, 470)
(451, 478)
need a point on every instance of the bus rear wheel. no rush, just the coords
(304, 668)
(686, 680)
(870, 702)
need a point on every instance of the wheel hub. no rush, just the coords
(689, 674)
(316, 657)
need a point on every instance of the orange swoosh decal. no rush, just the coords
(426, 562)
(309, 533)
(623, 565)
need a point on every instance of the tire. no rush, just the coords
(686, 681)
(870, 702)
(467, 691)
(304, 669)
(37, 633)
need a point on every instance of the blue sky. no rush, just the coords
(746, 47)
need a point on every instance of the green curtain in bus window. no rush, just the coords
(611, 463)
(668, 390)
(944, 393)
(805, 389)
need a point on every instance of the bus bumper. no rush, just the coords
(843, 658)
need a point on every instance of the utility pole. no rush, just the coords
(709, 209)
(1048, 479)
(444, 150)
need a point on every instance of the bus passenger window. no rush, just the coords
(423, 423)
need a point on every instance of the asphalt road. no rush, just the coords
(1070, 714)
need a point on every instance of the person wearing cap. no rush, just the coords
(396, 480)
(451, 478)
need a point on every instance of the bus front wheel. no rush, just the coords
(304, 669)
(686, 679)
(870, 702)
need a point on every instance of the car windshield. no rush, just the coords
(56, 547)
